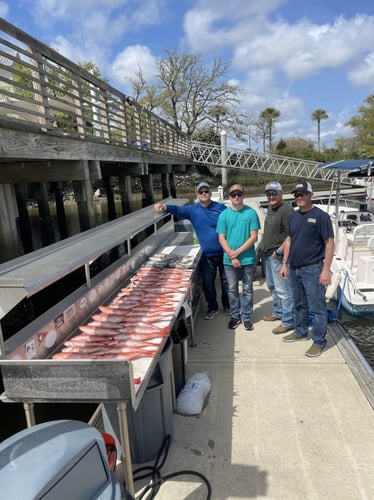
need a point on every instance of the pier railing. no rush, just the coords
(40, 89)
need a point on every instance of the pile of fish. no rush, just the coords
(133, 325)
(162, 260)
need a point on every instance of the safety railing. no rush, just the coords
(213, 155)
(39, 88)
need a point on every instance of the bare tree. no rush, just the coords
(186, 92)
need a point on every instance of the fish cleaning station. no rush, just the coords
(118, 372)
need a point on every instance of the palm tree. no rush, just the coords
(317, 116)
(268, 117)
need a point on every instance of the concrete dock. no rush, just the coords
(276, 425)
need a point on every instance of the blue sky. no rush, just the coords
(293, 55)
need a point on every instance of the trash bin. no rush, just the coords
(153, 420)
(179, 334)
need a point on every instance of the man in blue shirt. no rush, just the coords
(203, 216)
(237, 228)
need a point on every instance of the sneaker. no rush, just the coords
(227, 311)
(292, 337)
(270, 317)
(248, 325)
(282, 329)
(211, 313)
(315, 350)
(234, 323)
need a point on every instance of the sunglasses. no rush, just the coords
(299, 195)
(270, 194)
(236, 195)
(204, 192)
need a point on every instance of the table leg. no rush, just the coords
(29, 413)
(125, 444)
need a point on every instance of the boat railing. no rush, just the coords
(360, 241)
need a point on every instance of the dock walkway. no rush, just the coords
(277, 425)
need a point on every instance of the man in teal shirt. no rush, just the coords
(237, 229)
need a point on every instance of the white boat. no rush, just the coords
(353, 262)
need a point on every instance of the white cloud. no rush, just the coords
(49, 11)
(127, 62)
(273, 55)
(89, 29)
(303, 49)
(4, 9)
(215, 24)
(69, 50)
(110, 14)
(363, 73)
(299, 49)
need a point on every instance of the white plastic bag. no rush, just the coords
(190, 400)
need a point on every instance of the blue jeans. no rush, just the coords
(309, 298)
(241, 309)
(209, 267)
(280, 290)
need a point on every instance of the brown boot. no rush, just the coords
(270, 317)
(282, 329)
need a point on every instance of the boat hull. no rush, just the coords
(354, 309)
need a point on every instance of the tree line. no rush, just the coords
(201, 101)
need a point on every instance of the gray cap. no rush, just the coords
(201, 185)
(273, 186)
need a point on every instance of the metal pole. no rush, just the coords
(29, 413)
(125, 444)
(224, 157)
(2, 345)
(337, 194)
(88, 275)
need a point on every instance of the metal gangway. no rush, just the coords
(216, 156)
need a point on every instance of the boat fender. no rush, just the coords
(333, 286)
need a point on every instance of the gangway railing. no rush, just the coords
(211, 155)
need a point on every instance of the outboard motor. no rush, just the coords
(58, 460)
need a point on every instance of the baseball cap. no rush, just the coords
(201, 185)
(302, 186)
(273, 186)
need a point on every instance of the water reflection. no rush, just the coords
(362, 331)
(360, 328)
(72, 218)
